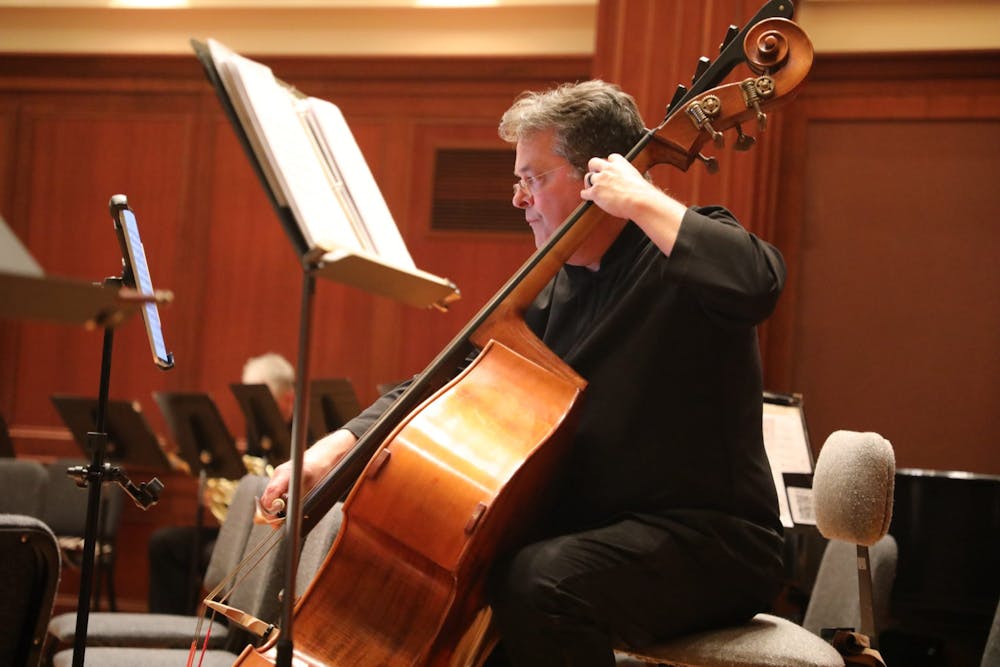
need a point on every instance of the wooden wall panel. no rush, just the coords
(8, 331)
(71, 163)
(247, 282)
(890, 319)
(915, 362)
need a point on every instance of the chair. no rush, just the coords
(830, 605)
(265, 584)
(30, 577)
(64, 510)
(852, 494)
(169, 630)
(23, 483)
(991, 653)
(316, 547)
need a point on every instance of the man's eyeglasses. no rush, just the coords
(531, 184)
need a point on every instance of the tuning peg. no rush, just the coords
(700, 68)
(731, 33)
(678, 96)
(744, 142)
(711, 164)
(753, 91)
(701, 114)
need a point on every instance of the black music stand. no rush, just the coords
(203, 440)
(268, 433)
(27, 293)
(332, 402)
(130, 438)
(130, 441)
(206, 445)
(362, 270)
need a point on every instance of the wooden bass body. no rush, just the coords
(454, 487)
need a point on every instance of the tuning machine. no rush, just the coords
(700, 68)
(744, 142)
(711, 164)
(731, 33)
(754, 91)
(701, 112)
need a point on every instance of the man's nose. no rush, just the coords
(521, 198)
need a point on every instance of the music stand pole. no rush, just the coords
(300, 422)
(97, 441)
(93, 478)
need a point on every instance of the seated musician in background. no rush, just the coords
(172, 548)
(666, 519)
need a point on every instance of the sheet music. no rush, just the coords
(313, 168)
(298, 170)
(787, 449)
(349, 165)
(801, 506)
(14, 257)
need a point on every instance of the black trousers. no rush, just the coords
(175, 570)
(568, 600)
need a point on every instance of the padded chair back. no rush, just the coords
(64, 510)
(835, 602)
(852, 493)
(316, 547)
(852, 487)
(23, 483)
(65, 504)
(231, 542)
(29, 580)
(258, 592)
(991, 654)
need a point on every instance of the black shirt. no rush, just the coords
(671, 418)
(672, 412)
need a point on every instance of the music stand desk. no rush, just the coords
(332, 403)
(27, 293)
(266, 428)
(130, 438)
(202, 438)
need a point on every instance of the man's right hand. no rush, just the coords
(316, 462)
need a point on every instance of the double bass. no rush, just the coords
(454, 472)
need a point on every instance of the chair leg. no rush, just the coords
(95, 602)
(865, 595)
(112, 601)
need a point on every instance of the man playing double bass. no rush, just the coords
(666, 519)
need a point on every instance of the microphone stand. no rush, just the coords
(94, 476)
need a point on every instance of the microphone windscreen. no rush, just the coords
(852, 487)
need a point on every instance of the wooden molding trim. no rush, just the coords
(905, 66)
(180, 72)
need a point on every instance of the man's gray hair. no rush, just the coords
(590, 119)
(271, 369)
